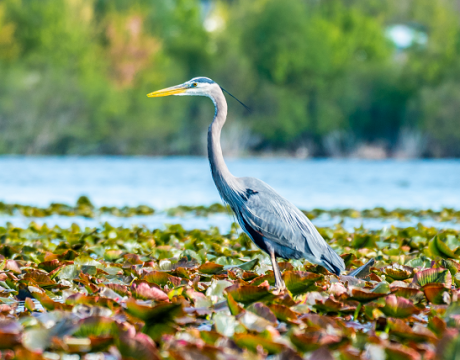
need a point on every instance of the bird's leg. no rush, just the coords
(279, 283)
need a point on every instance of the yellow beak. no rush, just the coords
(174, 90)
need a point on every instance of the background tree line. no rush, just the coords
(322, 77)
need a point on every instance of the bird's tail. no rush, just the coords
(332, 261)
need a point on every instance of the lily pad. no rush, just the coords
(252, 342)
(433, 276)
(247, 294)
(299, 282)
(399, 307)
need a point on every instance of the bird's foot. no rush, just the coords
(277, 290)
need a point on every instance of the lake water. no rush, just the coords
(168, 182)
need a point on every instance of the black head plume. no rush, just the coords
(247, 108)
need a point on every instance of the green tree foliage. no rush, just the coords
(317, 74)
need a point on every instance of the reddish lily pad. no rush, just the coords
(38, 278)
(330, 305)
(142, 290)
(399, 307)
(10, 334)
(137, 347)
(263, 311)
(436, 293)
(364, 296)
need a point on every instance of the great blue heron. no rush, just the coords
(274, 224)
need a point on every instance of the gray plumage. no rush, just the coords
(274, 224)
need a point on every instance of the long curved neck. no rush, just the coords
(220, 172)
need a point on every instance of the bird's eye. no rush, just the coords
(194, 84)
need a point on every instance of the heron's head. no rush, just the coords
(199, 86)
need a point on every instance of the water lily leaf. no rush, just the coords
(402, 330)
(12, 266)
(253, 322)
(247, 294)
(210, 268)
(210, 337)
(226, 325)
(399, 307)
(49, 266)
(217, 288)
(419, 262)
(437, 325)
(38, 278)
(119, 289)
(234, 307)
(400, 352)
(251, 342)
(270, 278)
(248, 265)
(161, 278)
(433, 276)
(305, 342)
(330, 305)
(159, 320)
(263, 311)
(364, 296)
(142, 290)
(300, 282)
(408, 293)
(284, 313)
(436, 293)
(95, 326)
(163, 312)
(439, 248)
(112, 254)
(398, 272)
(137, 347)
(449, 345)
(382, 288)
(47, 302)
(10, 334)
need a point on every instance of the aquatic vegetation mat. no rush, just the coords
(84, 207)
(138, 293)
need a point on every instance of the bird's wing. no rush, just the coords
(280, 222)
(277, 220)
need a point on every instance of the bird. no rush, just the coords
(273, 223)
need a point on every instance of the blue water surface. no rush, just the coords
(171, 181)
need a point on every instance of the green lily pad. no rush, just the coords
(251, 342)
(439, 248)
(161, 278)
(300, 282)
(433, 276)
(247, 294)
